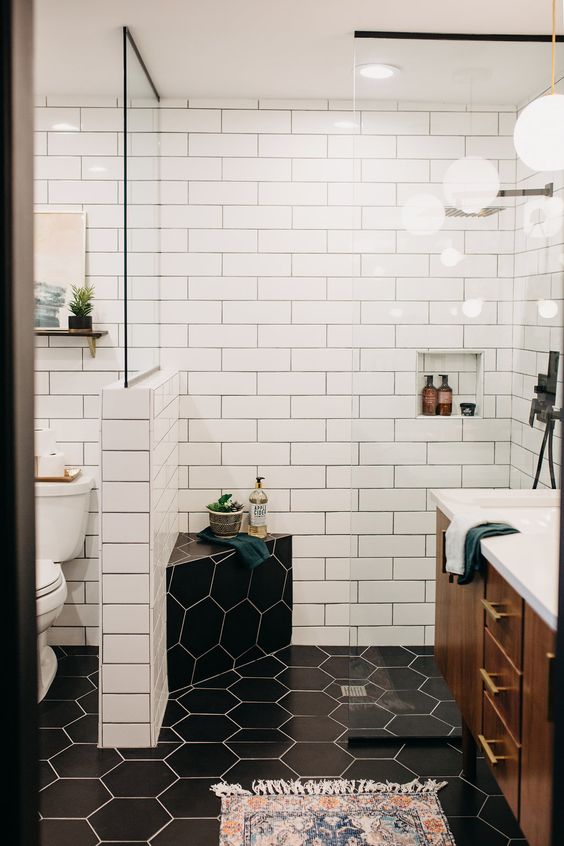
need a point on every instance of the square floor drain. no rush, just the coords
(353, 690)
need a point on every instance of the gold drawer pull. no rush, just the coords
(491, 609)
(488, 679)
(490, 754)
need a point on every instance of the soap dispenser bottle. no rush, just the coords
(257, 511)
(429, 398)
(444, 398)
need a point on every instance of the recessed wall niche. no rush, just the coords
(465, 370)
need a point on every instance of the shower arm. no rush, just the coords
(547, 191)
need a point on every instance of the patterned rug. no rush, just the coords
(333, 813)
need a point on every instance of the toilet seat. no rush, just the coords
(48, 576)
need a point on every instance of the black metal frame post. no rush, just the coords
(16, 419)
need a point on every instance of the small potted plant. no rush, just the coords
(81, 307)
(225, 516)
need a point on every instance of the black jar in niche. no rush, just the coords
(468, 409)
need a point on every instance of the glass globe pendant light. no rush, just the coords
(539, 130)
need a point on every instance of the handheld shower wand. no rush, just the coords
(542, 409)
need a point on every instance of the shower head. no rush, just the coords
(451, 211)
(547, 191)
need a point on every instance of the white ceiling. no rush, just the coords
(277, 48)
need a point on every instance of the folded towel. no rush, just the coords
(474, 561)
(455, 538)
(250, 550)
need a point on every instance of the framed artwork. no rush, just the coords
(59, 262)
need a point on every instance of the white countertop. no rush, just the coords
(528, 561)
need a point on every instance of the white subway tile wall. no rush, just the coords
(538, 319)
(284, 268)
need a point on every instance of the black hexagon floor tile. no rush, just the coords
(318, 760)
(51, 741)
(308, 703)
(468, 831)
(417, 726)
(129, 819)
(211, 760)
(268, 667)
(47, 774)
(209, 728)
(85, 760)
(191, 797)
(139, 778)
(203, 701)
(246, 771)
(72, 798)
(379, 770)
(388, 656)
(343, 667)
(84, 730)
(69, 687)
(255, 750)
(57, 714)
(313, 729)
(196, 832)
(407, 702)
(301, 656)
(66, 833)
(260, 714)
(432, 761)
(259, 689)
(77, 665)
(397, 678)
(305, 678)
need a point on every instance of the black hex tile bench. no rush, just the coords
(220, 615)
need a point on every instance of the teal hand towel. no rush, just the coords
(251, 551)
(474, 561)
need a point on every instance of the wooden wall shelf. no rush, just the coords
(91, 335)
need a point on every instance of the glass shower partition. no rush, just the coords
(141, 209)
(451, 283)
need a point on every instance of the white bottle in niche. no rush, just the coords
(258, 509)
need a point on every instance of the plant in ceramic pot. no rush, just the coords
(226, 516)
(81, 307)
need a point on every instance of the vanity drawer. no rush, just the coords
(503, 683)
(501, 753)
(504, 615)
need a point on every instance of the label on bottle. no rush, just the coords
(257, 514)
(444, 397)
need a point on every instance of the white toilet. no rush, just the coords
(61, 515)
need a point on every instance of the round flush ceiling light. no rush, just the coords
(377, 71)
(471, 183)
(547, 309)
(539, 133)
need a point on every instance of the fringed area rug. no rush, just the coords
(333, 813)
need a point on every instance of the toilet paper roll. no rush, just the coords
(50, 465)
(45, 443)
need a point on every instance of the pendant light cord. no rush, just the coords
(553, 45)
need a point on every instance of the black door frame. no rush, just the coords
(17, 416)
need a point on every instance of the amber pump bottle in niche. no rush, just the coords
(444, 398)
(258, 509)
(429, 398)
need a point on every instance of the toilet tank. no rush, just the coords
(61, 516)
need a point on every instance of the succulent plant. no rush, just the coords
(81, 303)
(224, 506)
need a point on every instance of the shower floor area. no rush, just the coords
(281, 717)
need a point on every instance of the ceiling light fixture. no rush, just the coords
(377, 71)
(539, 130)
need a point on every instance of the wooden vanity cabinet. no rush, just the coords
(496, 655)
(459, 635)
(537, 730)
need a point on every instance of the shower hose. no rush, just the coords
(546, 439)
